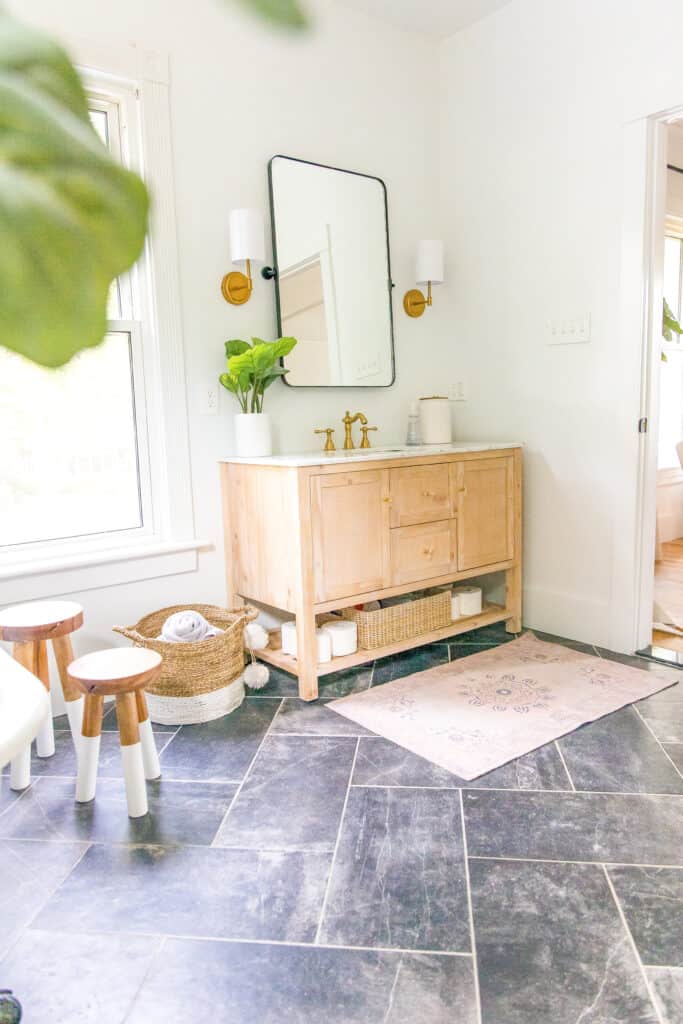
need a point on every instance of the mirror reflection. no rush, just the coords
(333, 282)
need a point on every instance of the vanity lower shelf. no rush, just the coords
(491, 613)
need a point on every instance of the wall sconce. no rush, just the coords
(429, 271)
(247, 245)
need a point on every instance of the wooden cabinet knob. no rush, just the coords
(428, 552)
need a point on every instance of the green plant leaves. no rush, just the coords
(287, 13)
(71, 218)
(253, 368)
(670, 324)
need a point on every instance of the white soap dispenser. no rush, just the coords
(413, 435)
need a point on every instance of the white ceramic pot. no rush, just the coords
(252, 434)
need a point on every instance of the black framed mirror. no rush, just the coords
(333, 274)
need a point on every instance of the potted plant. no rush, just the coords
(251, 369)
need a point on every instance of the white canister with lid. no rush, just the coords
(435, 420)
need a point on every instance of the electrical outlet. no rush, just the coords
(568, 331)
(211, 401)
(456, 391)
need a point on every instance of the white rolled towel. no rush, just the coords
(187, 628)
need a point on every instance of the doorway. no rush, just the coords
(666, 445)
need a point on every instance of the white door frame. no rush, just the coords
(642, 260)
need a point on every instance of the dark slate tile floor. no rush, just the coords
(295, 867)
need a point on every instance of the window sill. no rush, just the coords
(71, 573)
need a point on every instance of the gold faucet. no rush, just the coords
(348, 421)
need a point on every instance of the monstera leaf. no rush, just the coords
(71, 218)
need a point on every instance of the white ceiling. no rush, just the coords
(433, 17)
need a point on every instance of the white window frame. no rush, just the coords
(165, 543)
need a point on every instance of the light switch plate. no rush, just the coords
(568, 330)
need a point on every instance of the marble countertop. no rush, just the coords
(398, 451)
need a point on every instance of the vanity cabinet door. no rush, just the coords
(483, 491)
(351, 529)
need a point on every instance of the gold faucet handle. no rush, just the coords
(329, 443)
(365, 443)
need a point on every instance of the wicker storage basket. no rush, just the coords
(400, 621)
(199, 681)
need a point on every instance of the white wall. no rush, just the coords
(346, 95)
(538, 109)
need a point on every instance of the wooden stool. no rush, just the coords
(29, 627)
(122, 672)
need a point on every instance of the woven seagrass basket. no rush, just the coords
(199, 681)
(400, 621)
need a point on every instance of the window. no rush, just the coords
(86, 469)
(671, 372)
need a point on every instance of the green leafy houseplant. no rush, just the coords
(71, 218)
(253, 368)
(670, 326)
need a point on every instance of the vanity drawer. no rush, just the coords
(423, 552)
(419, 494)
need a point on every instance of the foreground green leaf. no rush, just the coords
(71, 218)
(287, 13)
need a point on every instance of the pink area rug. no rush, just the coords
(474, 714)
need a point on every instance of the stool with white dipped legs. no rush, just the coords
(122, 672)
(29, 627)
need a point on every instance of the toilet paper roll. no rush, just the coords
(324, 646)
(289, 638)
(344, 637)
(469, 600)
(455, 606)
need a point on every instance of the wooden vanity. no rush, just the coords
(313, 533)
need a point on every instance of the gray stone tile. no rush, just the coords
(398, 879)
(293, 796)
(667, 988)
(313, 718)
(193, 891)
(408, 662)
(494, 634)
(675, 752)
(179, 812)
(551, 947)
(662, 700)
(77, 979)
(331, 686)
(8, 796)
(635, 829)
(29, 873)
(383, 763)
(652, 901)
(63, 761)
(248, 984)
(465, 650)
(618, 754)
(665, 720)
(574, 645)
(219, 751)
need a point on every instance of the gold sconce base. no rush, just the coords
(236, 288)
(414, 302)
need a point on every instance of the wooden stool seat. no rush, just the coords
(117, 670)
(29, 626)
(40, 620)
(122, 672)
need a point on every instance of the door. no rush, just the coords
(483, 492)
(350, 513)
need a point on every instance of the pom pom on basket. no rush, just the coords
(199, 681)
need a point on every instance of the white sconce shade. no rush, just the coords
(247, 236)
(429, 262)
